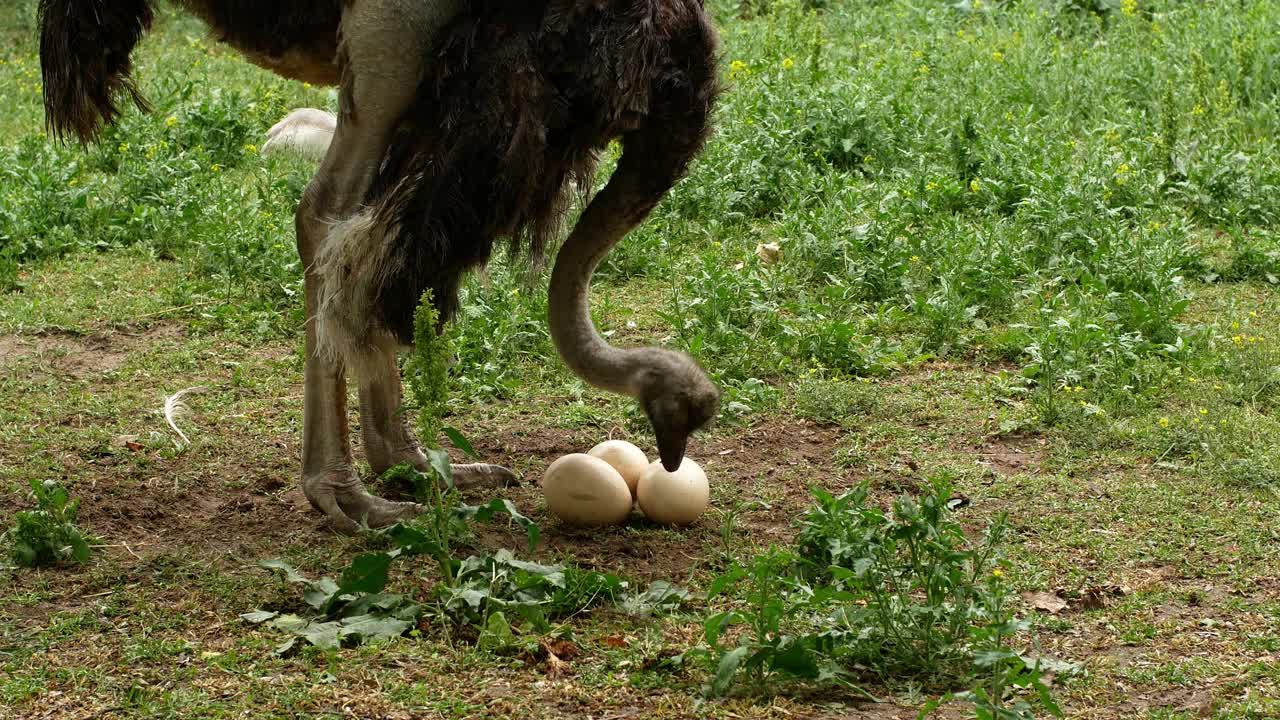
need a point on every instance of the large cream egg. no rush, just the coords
(585, 490)
(627, 459)
(673, 498)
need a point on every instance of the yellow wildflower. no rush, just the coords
(788, 63)
(171, 121)
(974, 185)
(1164, 422)
(997, 56)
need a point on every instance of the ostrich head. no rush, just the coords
(678, 398)
(676, 394)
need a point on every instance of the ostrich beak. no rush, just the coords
(671, 447)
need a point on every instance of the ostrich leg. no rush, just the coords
(387, 441)
(384, 45)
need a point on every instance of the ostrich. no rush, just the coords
(458, 124)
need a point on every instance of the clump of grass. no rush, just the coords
(835, 402)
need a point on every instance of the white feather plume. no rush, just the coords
(175, 408)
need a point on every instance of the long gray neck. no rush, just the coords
(609, 217)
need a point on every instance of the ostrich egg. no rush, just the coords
(585, 490)
(673, 498)
(627, 459)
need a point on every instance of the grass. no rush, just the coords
(1029, 246)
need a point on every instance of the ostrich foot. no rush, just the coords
(465, 476)
(342, 498)
(483, 475)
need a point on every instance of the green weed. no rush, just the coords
(47, 535)
(871, 593)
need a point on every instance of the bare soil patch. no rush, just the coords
(81, 356)
(1011, 454)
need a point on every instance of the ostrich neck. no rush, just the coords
(609, 217)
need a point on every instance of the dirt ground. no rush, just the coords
(181, 533)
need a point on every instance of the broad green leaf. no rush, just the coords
(366, 574)
(326, 635)
(727, 668)
(377, 603)
(439, 461)
(289, 623)
(474, 597)
(460, 441)
(720, 584)
(258, 616)
(1049, 664)
(79, 547)
(290, 574)
(486, 512)
(533, 617)
(928, 708)
(714, 626)
(411, 540)
(24, 555)
(991, 658)
(320, 592)
(660, 595)
(497, 634)
(373, 627)
(795, 657)
(553, 573)
(1046, 700)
